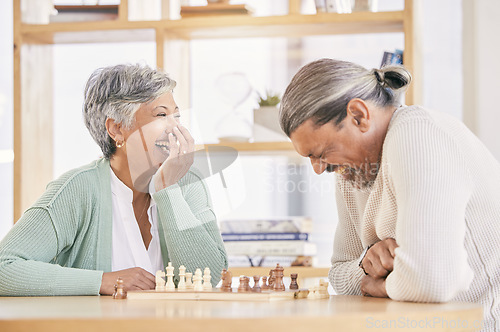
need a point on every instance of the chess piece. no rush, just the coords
(319, 291)
(182, 278)
(270, 280)
(227, 280)
(206, 280)
(170, 286)
(189, 283)
(278, 285)
(293, 283)
(119, 293)
(197, 281)
(160, 283)
(264, 286)
(322, 291)
(312, 293)
(243, 286)
(256, 284)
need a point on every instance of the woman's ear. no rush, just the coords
(359, 114)
(114, 130)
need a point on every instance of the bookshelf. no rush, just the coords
(33, 62)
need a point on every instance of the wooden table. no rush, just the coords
(338, 313)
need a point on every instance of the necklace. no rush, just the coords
(144, 210)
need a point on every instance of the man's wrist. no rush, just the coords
(363, 254)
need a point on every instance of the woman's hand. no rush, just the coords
(179, 161)
(133, 279)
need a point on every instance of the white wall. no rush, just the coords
(481, 66)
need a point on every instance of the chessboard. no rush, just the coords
(199, 287)
(216, 294)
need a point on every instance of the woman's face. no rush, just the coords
(146, 143)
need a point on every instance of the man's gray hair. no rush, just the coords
(322, 89)
(117, 92)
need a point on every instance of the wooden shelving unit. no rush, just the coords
(253, 147)
(33, 67)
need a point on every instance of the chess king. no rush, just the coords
(125, 215)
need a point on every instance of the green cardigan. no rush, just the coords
(62, 244)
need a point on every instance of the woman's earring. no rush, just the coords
(119, 144)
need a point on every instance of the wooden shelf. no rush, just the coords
(259, 146)
(214, 27)
(33, 63)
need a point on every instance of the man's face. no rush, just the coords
(346, 149)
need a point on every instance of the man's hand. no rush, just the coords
(379, 259)
(373, 287)
(133, 279)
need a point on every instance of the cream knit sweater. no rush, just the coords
(438, 195)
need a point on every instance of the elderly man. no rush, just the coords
(418, 194)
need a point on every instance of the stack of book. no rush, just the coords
(266, 242)
(215, 9)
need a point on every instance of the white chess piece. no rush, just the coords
(206, 279)
(182, 278)
(170, 286)
(160, 283)
(312, 293)
(189, 283)
(197, 278)
(322, 291)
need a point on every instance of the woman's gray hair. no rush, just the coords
(117, 92)
(322, 89)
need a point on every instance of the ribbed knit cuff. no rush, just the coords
(174, 208)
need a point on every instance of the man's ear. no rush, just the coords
(359, 114)
(114, 130)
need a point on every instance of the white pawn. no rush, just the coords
(170, 286)
(197, 278)
(189, 283)
(206, 279)
(182, 278)
(160, 283)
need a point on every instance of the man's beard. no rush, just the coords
(361, 177)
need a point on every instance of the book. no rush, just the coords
(269, 261)
(392, 58)
(215, 9)
(264, 236)
(271, 248)
(82, 13)
(275, 225)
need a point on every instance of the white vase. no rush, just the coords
(266, 127)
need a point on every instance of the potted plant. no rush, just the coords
(266, 127)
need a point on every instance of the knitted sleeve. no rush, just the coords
(345, 274)
(189, 227)
(432, 187)
(27, 256)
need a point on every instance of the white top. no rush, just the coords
(128, 248)
(438, 195)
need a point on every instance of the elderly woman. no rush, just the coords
(418, 195)
(126, 215)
